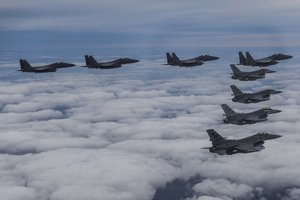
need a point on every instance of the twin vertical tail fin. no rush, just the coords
(215, 137)
(169, 58)
(243, 60)
(236, 91)
(250, 59)
(227, 110)
(25, 65)
(234, 69)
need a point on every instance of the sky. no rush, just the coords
(155, 23)
(126, 133)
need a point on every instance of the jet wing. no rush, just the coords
(258, 97)
(245, 147)
(252, 75)
(44, 68)
(256, 118)
(255, 74)
(192, 60)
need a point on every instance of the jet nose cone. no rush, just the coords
(269, 71)
(134, 60)
(272, 111)
(214, 58)
(274, 136)
(275, 91)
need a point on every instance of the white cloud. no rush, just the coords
(123, 133)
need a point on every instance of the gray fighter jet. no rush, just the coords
(248, 76)
(26, 67)
(256, 97)
(222, 146)
(175, 61)
(263, 62)
(246, 118)
(92, 63)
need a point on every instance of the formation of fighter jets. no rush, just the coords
(220, 145)
(89, 61)
(254, 143)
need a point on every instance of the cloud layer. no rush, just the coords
(123, 133)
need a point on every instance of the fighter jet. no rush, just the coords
(92, 63)
(248, 76)
(222, 146)
(246, 118)
(175, 61)
(26, 67)
(256, 97)
(263, 62)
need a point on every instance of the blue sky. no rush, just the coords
(123, 133)
(151, 23)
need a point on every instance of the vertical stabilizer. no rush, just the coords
(243, 60)
(87, 61)
(215, 137)
(92, 60)
(175, 59)
(250, 59)
(25, 66)
(227, 110)
(236, 91)
(234, 69)
(169, 58)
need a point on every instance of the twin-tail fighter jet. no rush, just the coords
(26, 67)
(262, 62)
(175, 61)
(92, 63)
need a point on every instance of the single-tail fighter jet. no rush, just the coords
(256, 97)
(248, 76)
(92, 63)
(26, 67)
(262, 62)
(224, 146)
(231, 117)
